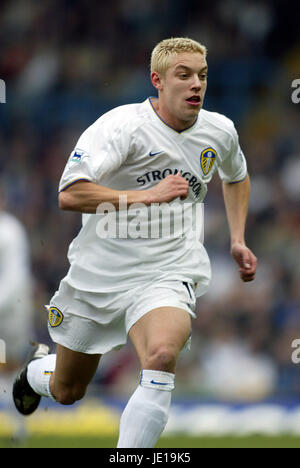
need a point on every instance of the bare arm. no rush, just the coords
(85, 197)
(236, 198)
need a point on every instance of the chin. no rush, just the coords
(193, 113)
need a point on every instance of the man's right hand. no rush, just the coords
(173, 186)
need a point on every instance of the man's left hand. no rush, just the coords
(246, 260)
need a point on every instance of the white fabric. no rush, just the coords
(160, 380)
(38, 374)
(16, 310)
(146, 413)
(97, 323)
(131, 148)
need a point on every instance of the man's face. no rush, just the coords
(182, 89)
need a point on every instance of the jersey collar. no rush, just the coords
(153, 112)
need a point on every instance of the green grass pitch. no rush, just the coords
(284, 441)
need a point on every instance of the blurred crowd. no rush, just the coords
(65, 62)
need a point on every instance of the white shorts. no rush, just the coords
(97, 323)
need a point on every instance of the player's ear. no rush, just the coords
(156, 80)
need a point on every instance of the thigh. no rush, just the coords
(167, 327)
(74, 368)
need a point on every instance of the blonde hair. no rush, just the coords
(165, 50)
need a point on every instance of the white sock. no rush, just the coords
(147, 411)
(39, 372)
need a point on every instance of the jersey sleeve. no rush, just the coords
(234, 167)
(101, 149)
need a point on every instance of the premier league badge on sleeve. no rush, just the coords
(207, 159)
(76, 157)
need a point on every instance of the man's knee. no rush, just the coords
(161, 357)
(68, 394)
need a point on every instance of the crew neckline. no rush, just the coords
(165, 123)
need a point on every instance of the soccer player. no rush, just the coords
(162, 151)
(16, 307)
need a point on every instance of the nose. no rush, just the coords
(196, 84)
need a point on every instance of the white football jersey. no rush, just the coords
(132, 148)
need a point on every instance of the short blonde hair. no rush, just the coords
(165, 50)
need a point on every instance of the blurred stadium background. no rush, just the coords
(65, 62)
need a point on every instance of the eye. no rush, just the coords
(183, 76)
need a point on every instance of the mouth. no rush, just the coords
(194, 100)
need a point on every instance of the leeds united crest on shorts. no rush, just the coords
(55, 317)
